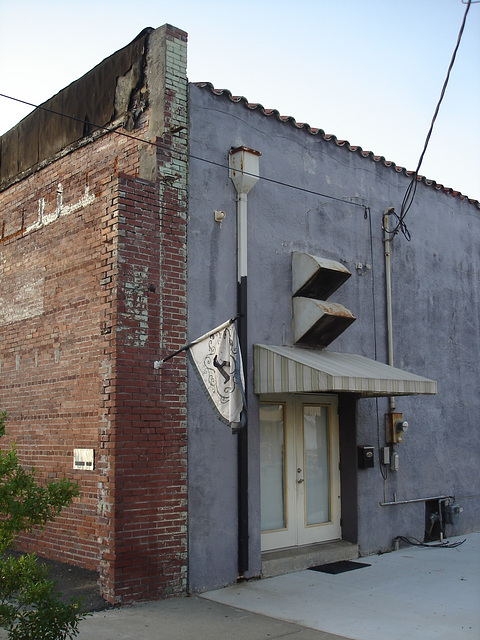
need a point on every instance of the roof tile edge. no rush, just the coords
(332, 138)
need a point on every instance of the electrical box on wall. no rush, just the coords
(366, 459)
(395, 427)
(83, 459)
(452, 513)
(386, 455)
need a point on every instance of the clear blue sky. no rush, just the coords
(368, 71)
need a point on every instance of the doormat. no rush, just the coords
(339, 567)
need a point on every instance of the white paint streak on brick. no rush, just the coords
(61, 210)
(21, 293)
(25, 286)
(59, 200)
(136, 307)
(41, 209)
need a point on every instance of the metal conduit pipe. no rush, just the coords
(388, 504)
(388, 292)
(439, 499)
(244, 173)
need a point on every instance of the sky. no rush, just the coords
(368, 71)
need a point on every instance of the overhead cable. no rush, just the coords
(412, 187)
(82, 120)
(285, 184)
(160, 145)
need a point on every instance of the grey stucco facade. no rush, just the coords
(436, 310)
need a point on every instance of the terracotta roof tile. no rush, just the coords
(331, 138)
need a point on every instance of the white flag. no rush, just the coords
(218, 362)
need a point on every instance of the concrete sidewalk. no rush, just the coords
(416, 593)
(190, 618)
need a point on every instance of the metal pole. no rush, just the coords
(243, 163)
(242, 438)
(388, 291)
(390, 504)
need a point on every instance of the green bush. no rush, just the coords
(30, 608)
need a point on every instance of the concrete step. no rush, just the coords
(281, 561)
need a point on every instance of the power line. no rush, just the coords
(283, 184)
(412, 187)
(82, 120)
(194, 157)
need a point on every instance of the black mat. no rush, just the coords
(339, 567)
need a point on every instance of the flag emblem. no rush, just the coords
(217, 360)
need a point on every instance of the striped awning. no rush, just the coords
(296, 370)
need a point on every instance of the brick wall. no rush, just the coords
(147, 443)
(92, 267)
(52, 339)
(147, 555)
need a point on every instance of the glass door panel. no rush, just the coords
(316, 447)
(318, 490)
(272, 470)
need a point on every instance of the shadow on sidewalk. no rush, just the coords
(74, 582)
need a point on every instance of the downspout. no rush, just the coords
(244, 164)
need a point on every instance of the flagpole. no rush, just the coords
(158, 363)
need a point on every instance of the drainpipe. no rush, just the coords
(387, 239)
(244, 165)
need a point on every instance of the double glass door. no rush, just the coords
(299, 471)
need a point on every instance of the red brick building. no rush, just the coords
(85, 256)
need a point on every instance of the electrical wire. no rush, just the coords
(400, 225)
(412, 187)
(160, 145)
(284, 184)
(83, 121)
(440, 545)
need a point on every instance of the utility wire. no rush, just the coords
(412, 187)
(83, 121)
(284, 184)
(160, 145)
(415, 542)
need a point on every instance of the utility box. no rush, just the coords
(452, 513)
(366, 458)
(395, 426)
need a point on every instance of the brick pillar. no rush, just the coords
(145, 550)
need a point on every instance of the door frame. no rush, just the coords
(298, 533)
